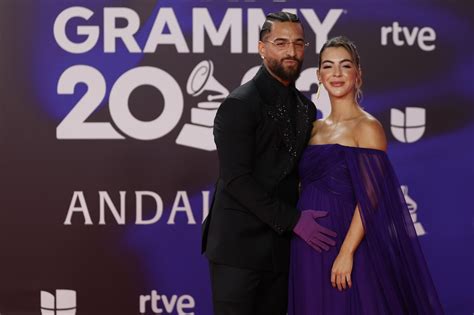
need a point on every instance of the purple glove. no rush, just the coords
(312, 233)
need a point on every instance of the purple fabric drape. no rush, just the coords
(390, 274)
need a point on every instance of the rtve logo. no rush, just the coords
(155, 303)
(408, 126)
(62, 303)
(402, 35)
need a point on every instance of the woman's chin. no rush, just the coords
(338, 94)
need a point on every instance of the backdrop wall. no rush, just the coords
(107, 157)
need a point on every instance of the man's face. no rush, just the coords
(283, 51)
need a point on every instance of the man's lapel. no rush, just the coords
(276, 109)
(303, 123)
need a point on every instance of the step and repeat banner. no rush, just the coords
(107, 157)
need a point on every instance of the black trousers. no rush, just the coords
(237, 291)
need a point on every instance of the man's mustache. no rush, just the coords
(290, 58)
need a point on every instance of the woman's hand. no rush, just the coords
(342, 266)
(341, 271)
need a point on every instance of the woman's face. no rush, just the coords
(338, 73)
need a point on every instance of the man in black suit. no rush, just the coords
(260, 131)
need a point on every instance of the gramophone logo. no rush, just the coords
(408, 127)
(412, 206)
(63, 302)
(198, 133)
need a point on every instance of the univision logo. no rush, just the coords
(63, 302)
(408, 127)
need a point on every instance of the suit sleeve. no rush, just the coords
(234, 133)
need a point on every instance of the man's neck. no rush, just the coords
(284, 82)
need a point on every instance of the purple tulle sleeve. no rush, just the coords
(394, 250)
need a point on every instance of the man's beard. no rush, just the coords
(289, 74)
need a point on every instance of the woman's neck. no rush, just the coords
(344, 109)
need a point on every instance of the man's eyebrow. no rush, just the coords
(283, 38)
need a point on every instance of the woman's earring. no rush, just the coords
(263, 57)
(320, 86)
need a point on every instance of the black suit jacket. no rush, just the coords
(254, 206)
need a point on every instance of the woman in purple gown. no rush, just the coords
(377, 266)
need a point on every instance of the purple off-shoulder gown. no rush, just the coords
(389, 275)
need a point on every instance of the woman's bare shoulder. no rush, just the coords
(369, 133)
(317, 124)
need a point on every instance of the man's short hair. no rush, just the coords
(277, 17)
